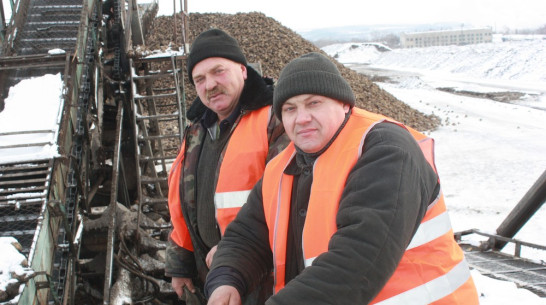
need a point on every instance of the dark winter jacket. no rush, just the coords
(390, 157)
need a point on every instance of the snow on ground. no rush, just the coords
(513, 64)
(31, 115)
(13, 268)
(501, 60)
(488, 153)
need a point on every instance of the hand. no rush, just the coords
(210, 255)
(225, 295)
(178, 284)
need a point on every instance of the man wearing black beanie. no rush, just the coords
(232, 134)
(350, 212)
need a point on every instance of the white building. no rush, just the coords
(444, 38)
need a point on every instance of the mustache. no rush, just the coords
(214, 91)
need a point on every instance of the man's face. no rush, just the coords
(311, 121)
(219, 83)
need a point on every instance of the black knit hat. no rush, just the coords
(312, 73)
(214, 43)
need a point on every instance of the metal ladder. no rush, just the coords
(160, 117)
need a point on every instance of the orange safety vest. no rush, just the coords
(415, 280)
(241, 166)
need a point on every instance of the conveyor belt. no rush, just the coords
(49, 24)
(524, 273)
(23, 194)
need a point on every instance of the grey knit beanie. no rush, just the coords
(214, 43)
(312, 73)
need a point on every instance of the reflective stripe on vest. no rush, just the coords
(427, 231)
(434, 290)
(414, 272)
(228, 200)
(242, 165)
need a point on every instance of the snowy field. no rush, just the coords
(488, 153)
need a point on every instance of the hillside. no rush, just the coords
(267, 41)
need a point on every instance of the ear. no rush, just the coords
(346, 108)
(244, 71)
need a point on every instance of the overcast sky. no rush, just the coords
(302, 15)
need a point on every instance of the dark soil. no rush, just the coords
(504, 97)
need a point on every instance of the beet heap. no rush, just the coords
(272, 45)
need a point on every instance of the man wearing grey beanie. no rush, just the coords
(350, 212)
(232, 134)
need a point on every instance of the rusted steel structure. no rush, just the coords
(93, 219)
(49, 193)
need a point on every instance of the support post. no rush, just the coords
(522, 212)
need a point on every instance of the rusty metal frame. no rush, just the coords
(113, 208)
